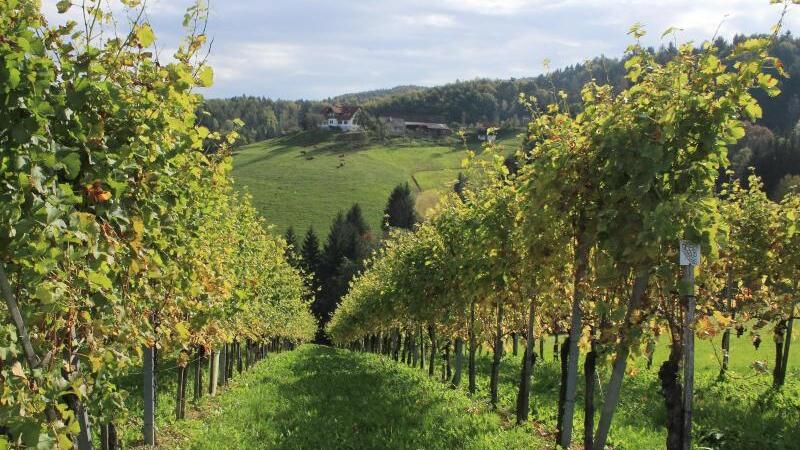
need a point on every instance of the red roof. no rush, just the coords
(342, 112)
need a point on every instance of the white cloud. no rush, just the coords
(498, 7)
(430, 20)
(233, 63)
(318, 48)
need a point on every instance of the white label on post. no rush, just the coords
(690, 253)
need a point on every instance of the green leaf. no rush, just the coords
(100, 280)
(63, 6)
(44, 293)
(72, 165)
(13, 77)
(753, 110)
(737, 132)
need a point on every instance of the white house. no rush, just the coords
(340, 117)
(487, 134)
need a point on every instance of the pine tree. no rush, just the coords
(360, 240)
(356, 218)
(310, 255)
(348, 244)
(292, 248)
(338, 242)
(401, 210)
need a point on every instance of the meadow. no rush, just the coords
(304, 179)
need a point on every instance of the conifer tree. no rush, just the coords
(400, 209)
(310, 255)
(292, 248)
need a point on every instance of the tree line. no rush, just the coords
(497, 102)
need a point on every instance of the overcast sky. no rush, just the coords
(320, 48)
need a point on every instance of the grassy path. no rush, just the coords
(322, 398)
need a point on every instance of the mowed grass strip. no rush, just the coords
(324, 398)
(306, 178)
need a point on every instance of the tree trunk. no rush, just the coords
(779, 334)
(398, 342)
(472, 345)
(108, 437)
(498, 354)
(84, 437)
(414, 357)
(524, 392)
(459, 356)
(575, 329)
(239, 362)
(432, 361)
(421, 349)
(16, 316)
(672, 391)
(556, 347)
(22, 333)
(787, 345)
(620, 362)
(149, 396)
(231, 360)
(198, 374)
(180, 401)
(83, 440)
(562, 391)
(541, 347)
(448, 370)
(590, 379)
(223, 365)
(726, 336)
(514, 344)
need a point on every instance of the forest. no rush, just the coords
(770, 145)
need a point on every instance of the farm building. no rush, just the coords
(340, 117)
(401, 127)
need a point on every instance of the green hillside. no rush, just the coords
(305, 178)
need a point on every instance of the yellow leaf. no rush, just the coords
(145, 35)
(205, 78)
(96, 362)
(721, 319)
(182, 329)
(17, 371)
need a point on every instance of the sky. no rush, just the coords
(314, 49)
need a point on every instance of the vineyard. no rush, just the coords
(616, 230)
(127, 257)
(124, 248)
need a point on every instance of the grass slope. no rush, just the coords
(304, 179)
(324, 398)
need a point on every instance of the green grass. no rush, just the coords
(744, 410)
(304, 179)
(324, 398)
(320, 398)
